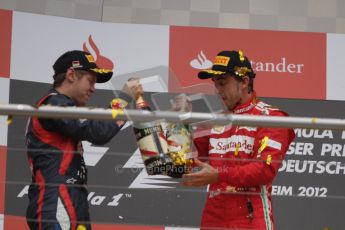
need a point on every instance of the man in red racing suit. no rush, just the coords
(243, 160)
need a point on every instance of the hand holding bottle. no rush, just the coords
(181, 103)
(134, 89)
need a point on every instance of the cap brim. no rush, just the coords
(103, 75)
(208, 73)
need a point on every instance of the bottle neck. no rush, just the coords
(141, 103)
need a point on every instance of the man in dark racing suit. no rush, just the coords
(58, 194)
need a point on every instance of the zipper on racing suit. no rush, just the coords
(250, 209)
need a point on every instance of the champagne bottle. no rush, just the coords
(179, 142)
(152, 142)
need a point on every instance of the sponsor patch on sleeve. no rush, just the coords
(274, 144)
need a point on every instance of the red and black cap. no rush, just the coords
(80, 60)
(229, 62)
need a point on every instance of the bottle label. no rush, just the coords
(161, 164)
(151, 140)
(147, 131)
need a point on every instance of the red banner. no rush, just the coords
(124, 227)
(287, 64)
(15, 222)
(19, 222)
(5, 42)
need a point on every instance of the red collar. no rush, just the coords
(243, 108)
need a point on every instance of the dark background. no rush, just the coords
(179, 206)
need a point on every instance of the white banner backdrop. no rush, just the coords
(128, 47)
(4, 97)
(335, 67)
(1, 222)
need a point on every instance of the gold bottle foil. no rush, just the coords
(179, 144)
